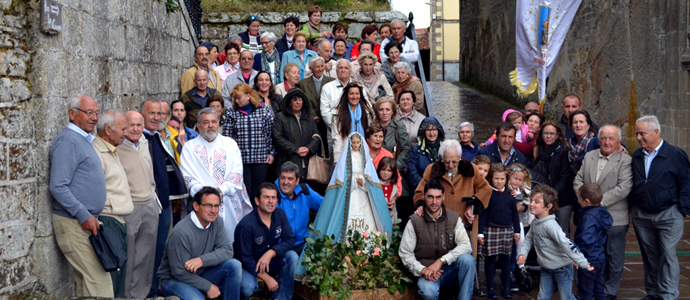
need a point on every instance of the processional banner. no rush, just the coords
(541, 27)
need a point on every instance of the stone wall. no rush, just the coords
(217, 27)
(118, 51)
(623, 57)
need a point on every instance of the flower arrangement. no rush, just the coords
(367, 260)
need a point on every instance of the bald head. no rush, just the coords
(135, 126)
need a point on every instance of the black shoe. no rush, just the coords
(479, 293)
(513, 283)
(491, 294)
(648, 297)
(506, 293)
(611, 297)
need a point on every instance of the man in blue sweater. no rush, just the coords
(502, 150)
(198, 257)
(77, 184)
(263, 242)
(296, 199)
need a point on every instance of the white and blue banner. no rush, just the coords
(540, 29)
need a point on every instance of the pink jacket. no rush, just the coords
(523, 129)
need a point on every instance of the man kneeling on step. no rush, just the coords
(198, 261)
(436, 249)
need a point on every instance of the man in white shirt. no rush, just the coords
(429, 252)
(410, 47)
(215, 160)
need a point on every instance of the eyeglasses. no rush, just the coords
(252, 18)
(210, 206)
(246, 58)
(89, 113)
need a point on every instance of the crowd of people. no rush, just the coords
(213, 191)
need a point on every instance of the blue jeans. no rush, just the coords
(227, 276)
(563, 277)
(164, 220)
(590, 285)
(285, 279)
(461, 271)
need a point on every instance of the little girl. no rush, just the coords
(483, 163)
(388, 175)
(515, 117)
(519, 186)
(556, 254)
(499, 226)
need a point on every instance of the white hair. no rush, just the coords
(620, 138)
(108, 117)
(403, 65)
(233, 38)
(74, 103)
(314, 59)
(652, 120)
(463, 124)
(270, 35)
(320, 44)
(398, 20)
(449, 145)
(206, 111)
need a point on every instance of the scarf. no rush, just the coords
(544, 154)
(431, 148)
(578, 149)
(371, 82)
(247, 109)
(266, 59)
(401, 86)
(356, 118)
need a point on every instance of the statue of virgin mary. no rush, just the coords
(354, 199)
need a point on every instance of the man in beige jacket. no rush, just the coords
(142, 223)
(118, 203)
(613, 172)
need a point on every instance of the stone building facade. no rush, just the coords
(624, 58)
(217, 27)
(444, 38)
(118, 51)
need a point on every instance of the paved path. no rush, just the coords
(452, 104)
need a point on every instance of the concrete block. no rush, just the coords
(330, 17)
(15, 275)
(5, 95)
(20, 90)
(17, 240)
(359, 16)
(19, 166)
(14, 62)
(388, 16)
(22, 206)
(56, 273)
(15, 123)
(43, 211)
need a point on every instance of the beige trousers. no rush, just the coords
(92, 280)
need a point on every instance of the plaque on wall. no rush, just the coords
(51, 16)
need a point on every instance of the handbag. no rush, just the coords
(109, 249)
(317, 170)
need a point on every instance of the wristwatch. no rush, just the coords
(443, 261)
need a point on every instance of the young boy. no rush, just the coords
(590, 237)
(555, 252)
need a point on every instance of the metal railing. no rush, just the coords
(410, 33)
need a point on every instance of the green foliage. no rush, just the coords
(171, 6)
(293, 6)
(366, 261)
